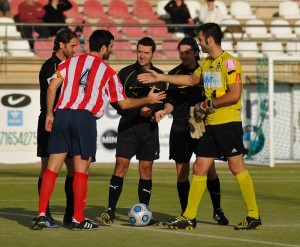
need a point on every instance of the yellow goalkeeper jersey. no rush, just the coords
(216, 75)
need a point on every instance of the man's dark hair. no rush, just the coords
(63, 35)
(147, 41)
(100, 38)
(192, 43)
(212, 30)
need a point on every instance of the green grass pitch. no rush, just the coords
(277, 191)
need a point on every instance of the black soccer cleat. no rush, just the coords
(39, 222)
(181, 222)
(219, 216)
(249, 223)
(84, 225)
(108, 216)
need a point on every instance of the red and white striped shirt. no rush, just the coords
(88, 83)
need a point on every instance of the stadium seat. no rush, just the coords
(93, 9)
(169, 48)
(143, 9)
(14, 5)
(85, 30)
(43, 48)
(281, 29)
(134, 28)
(113, 28)
(259, 31)
(160, 30)
(223, 8)
(232, 29)
(19, 48)
(289, 10)
(8, 30)
(297, 28)
(118, 9)
(248, 49)
(2, 49)
(293, 48)
(74, 11)
(228, 46)
(241, 10)
(194, 8)
(160, 10)
(272, 48)
(122, 49)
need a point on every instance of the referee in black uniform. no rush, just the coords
(65, 45)
(182, 145)
(137, 132)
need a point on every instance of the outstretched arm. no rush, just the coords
(152, 98)
(153, 77)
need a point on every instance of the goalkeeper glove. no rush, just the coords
(203, 108)
(196, 125)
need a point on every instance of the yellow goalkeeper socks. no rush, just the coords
(247, 189)
(196, 192)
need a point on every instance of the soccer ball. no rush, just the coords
(140, 214)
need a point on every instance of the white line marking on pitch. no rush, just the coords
(179, 232)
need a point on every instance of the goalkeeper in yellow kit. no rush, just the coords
(220, 74)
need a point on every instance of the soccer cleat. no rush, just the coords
(108, 216)
(39, 222)
(181, 222)
(249, 223)
(67, 221)
(153, 222)
(50, 222)
(219, 216)
(84, 225)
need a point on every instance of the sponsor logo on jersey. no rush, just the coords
(15, 100)
(230, 64)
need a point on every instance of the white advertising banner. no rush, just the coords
(19, 110)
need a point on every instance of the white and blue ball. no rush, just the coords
(140, 215)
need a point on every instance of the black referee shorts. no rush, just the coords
(138, 138)
(222, 140)
(182, 145)
(42, 137)
(75, 132)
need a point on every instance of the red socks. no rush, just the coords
(80, 188)
(47, 187)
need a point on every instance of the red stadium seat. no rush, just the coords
(14, 5)
(169, 48)
(113, 29)
(93, 9)
(122, 48)
(118, 9)
(73, 12)
(43, 48)
(85, 30)
(160, 31)
(135, 30)
(143, 9)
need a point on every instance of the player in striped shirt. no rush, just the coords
(87, 84)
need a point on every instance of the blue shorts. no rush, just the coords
(75, 132)
(221, 141)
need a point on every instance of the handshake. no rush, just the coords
(197, 114)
